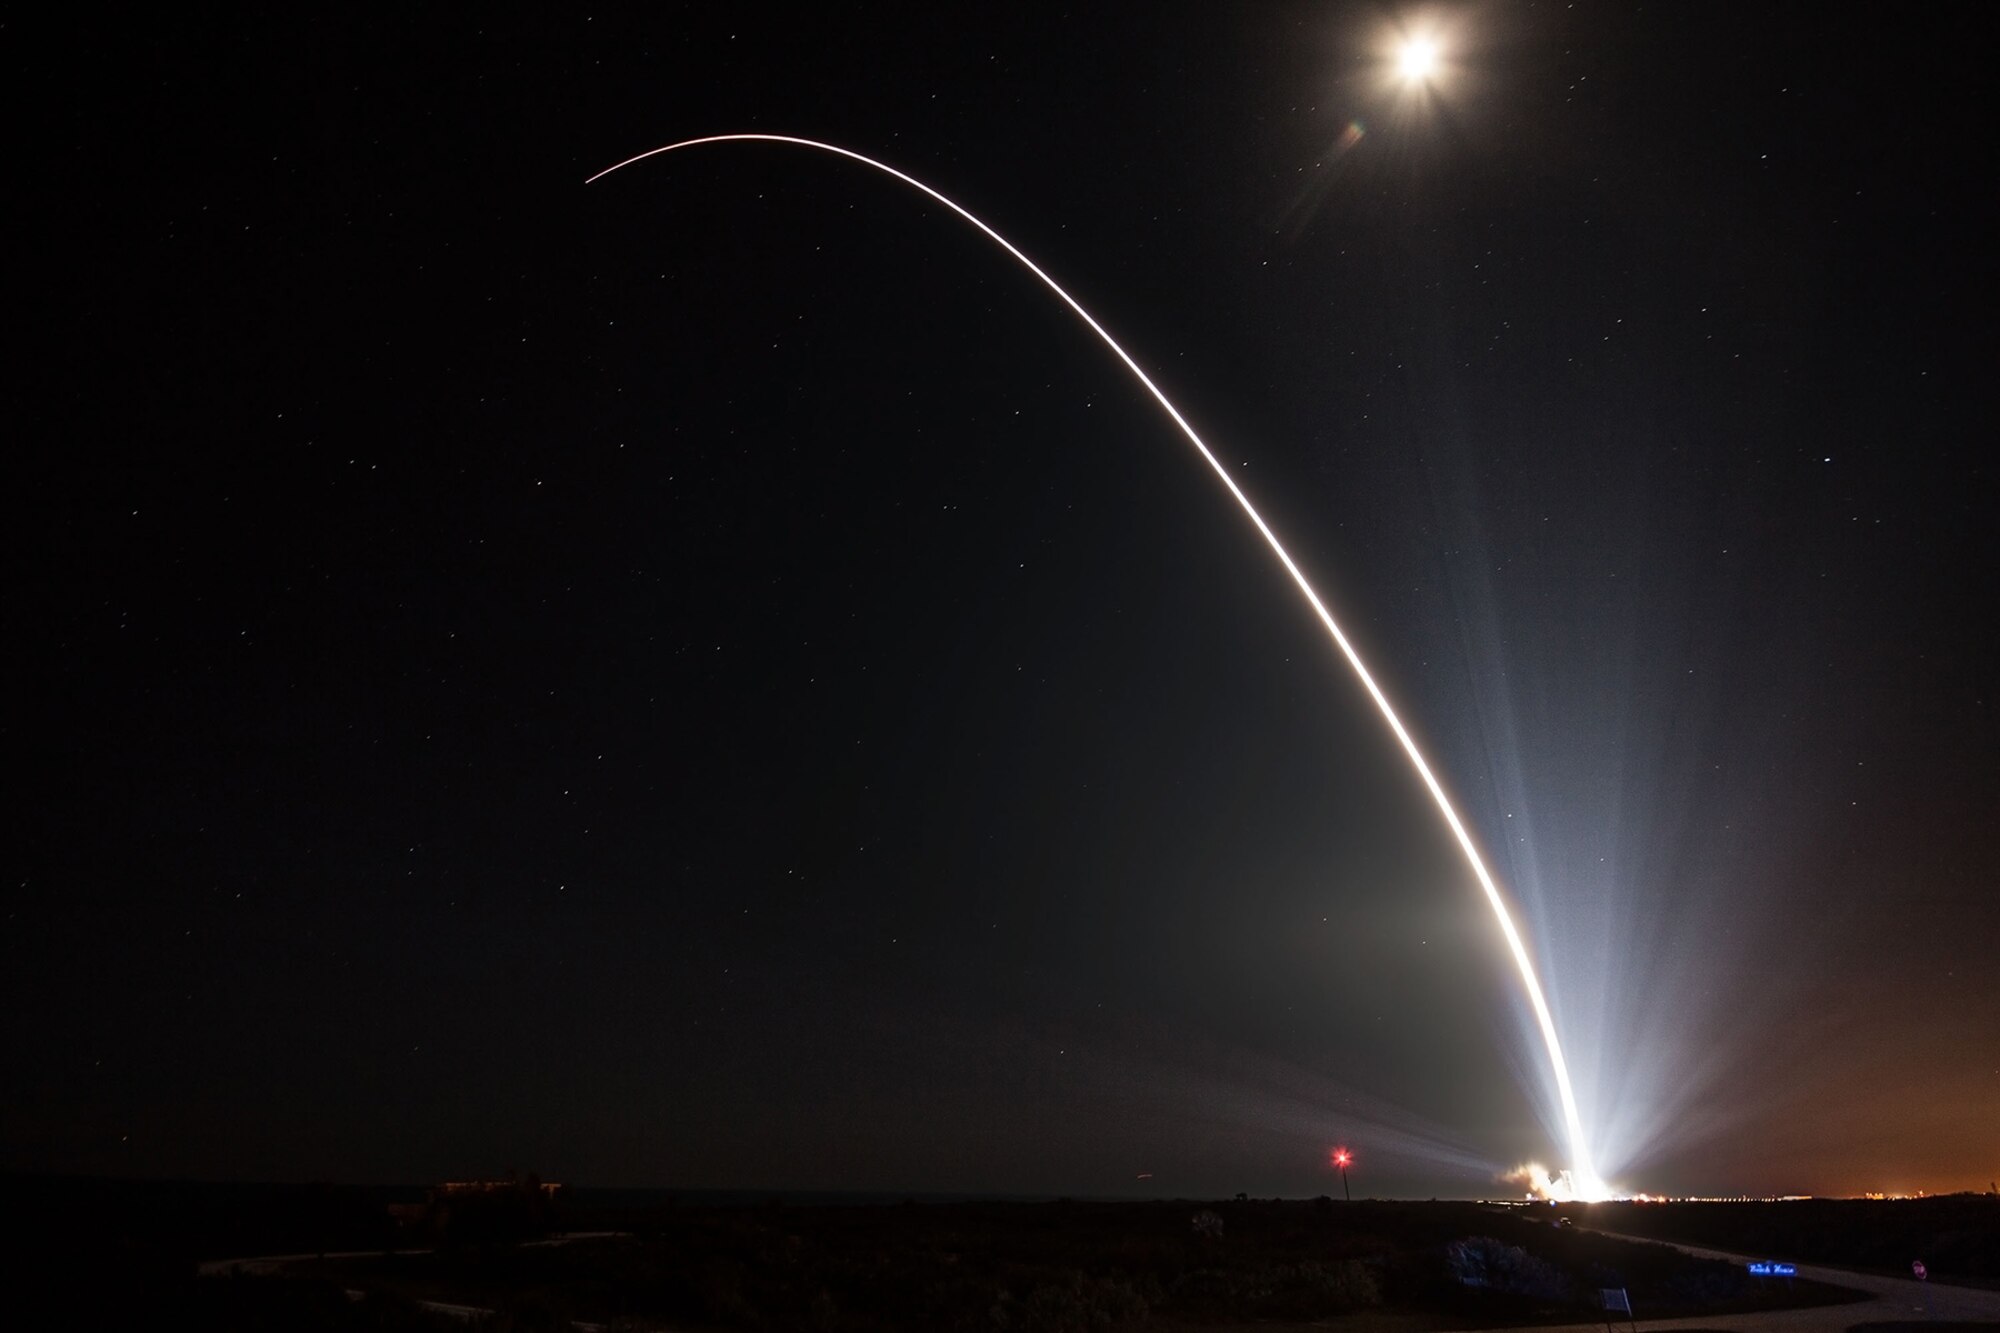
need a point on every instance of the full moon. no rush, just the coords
(1417, 59)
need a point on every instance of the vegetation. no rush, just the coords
(1957, 1236)
(216, 1305)
(105, 1255)
(1058, 1267)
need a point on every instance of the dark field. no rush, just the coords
(107, 1252)
(1956, 1235)
(1076, 1265)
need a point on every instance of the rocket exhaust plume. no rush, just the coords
(1536, 1181)
(1588, 1186)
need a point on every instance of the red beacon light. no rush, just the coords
(1341, 1160)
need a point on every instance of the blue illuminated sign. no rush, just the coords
(1773, 1270)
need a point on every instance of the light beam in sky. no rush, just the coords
(1581, 1170)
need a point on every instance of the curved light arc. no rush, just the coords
(1582, 1171)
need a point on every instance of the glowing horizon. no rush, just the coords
(1581, 1171)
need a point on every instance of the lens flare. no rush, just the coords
(1581, 1172)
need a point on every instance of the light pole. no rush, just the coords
(1341, 1157)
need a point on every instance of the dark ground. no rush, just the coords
(1073, 1264)
(1957, 1236)
(111, 1251)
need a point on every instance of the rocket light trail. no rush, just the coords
(1582, 1172)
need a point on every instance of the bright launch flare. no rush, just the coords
(1558, 1188)
(1581, 1171)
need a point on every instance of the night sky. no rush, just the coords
(715, 679)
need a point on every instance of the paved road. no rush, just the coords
(1894, 1301)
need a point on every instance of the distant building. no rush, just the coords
(481, 1211)
(548, 1189)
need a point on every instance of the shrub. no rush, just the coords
(1488, 1264)
(1307, 1290)
(1080, 1305)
